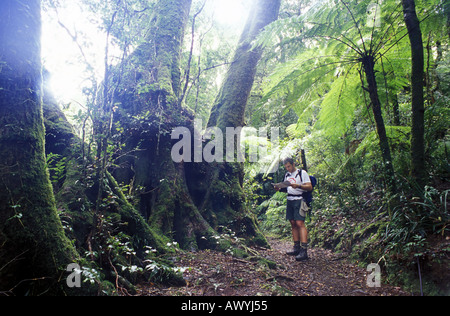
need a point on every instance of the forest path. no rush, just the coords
(214, 273)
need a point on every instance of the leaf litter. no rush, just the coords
(270, 273)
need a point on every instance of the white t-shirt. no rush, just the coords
(294, 178)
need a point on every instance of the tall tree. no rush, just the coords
(150, 109)
(34, 251)
(229, 107)
(417, 97)
(224, 195)
(183, 200)
(368, 62)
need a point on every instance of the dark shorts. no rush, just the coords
(294, 211)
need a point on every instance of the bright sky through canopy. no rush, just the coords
(62, 57)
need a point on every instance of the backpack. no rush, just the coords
(307, 196)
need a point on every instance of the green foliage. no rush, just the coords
(437, 121)
(339, 105)
(414, 220)
(311, 85)
(315, 71)
(323, 72)
(209, 60)
(273, 215)
(56, 164)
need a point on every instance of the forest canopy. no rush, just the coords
(134, 130)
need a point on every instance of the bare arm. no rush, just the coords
(306, 186)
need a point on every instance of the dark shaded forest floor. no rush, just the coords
(212, 273)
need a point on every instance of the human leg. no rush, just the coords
(296, 232)
(291, 210)
(295, 238)
(303, 232)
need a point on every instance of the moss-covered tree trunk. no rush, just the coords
(34, 251)
(229, 107)
(73, 193)
(224, 198)
(149, 112)
(186, 201)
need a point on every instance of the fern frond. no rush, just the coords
(338, 106)
(398, 135)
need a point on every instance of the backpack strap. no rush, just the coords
(299, 173)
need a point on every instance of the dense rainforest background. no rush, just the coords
(356, 91)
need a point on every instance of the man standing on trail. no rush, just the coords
(296, 210)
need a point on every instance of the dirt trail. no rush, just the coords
(218, 274)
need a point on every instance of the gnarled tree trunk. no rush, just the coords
(187, 201)
(149, 111)
(223, 201)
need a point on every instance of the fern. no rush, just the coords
(398, 137)
(338, 106)
(333, 36)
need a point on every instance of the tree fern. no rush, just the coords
(339, 104)
(349, 55)
(334, 33)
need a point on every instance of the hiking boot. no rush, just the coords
(294, 252)
(302, 255)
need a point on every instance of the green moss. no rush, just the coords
(269, 263)
(169, 20)
(143, 234)
(259, 240)
(31, 229)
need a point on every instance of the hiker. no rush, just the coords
(297, 208)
